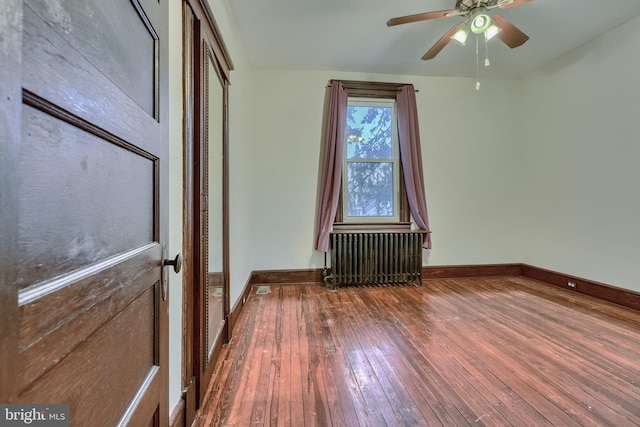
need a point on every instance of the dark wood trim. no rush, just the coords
(203, 9)
(370, 89)
(624, 297)
(202, 43)
(176, 418)
(286, 277)
(459, 271)
(289, 277)
(239, 305)
(33, 100)
(226, 333)
(189, 275)
(616, 295)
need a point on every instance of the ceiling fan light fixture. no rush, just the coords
(480, 23)
(461, 34)
(491, 32)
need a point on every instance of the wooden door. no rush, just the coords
(83, 202)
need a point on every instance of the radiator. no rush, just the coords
(375, 258)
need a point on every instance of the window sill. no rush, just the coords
(389, 227)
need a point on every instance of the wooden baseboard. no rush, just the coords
(620, 296)
(237, 308)
(177, 415)
(482, 270)
(623, 297)
(286, 277)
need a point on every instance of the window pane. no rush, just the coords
(369, 132)
(370, 186)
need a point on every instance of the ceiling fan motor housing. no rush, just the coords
(468, 5)
(480, 21)
(504, 3)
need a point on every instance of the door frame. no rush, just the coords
(199, 25)
(10, 113)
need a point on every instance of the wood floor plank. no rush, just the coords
(489, 342)
(507, 351)
(260, 393)
(367, 399)
(396, 391)
(393, 409)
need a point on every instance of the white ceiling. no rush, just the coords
(352, 35)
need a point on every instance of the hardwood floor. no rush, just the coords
(505, 351)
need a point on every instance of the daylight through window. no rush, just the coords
(370, 162)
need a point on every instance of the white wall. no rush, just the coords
(175, 202)
(471, 159)
(582, 161)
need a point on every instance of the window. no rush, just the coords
(370, 162)
(372, 190)
(371, 169)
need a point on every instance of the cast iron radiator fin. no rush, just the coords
(375, 258)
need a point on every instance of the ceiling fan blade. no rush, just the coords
(440, 44)
(510, 34)
(514, 4)
(422, 17)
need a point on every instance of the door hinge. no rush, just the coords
(188, 386)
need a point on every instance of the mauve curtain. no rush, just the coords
(331, 165)
(411, 157)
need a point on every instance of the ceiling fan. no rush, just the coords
(477, 21)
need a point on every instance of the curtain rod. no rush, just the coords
(397, 90)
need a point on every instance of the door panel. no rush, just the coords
(66, 80)
(102, 374)
(53, 324)
(124, 35)
(62, 167)
(88, 318)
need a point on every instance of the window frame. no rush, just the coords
(394, 160)
(371, 91)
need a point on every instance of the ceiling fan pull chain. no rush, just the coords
(477, 64)
(486, 54)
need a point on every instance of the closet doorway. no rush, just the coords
(206, 182)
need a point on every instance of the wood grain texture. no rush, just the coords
(54, 324)
(479, 270)
(132, 67)
(206, 73)
(286, 276)
(62, 166)
(120, 373)
(499, 351)
(77, 79)
(90, 210)
(624, 297)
